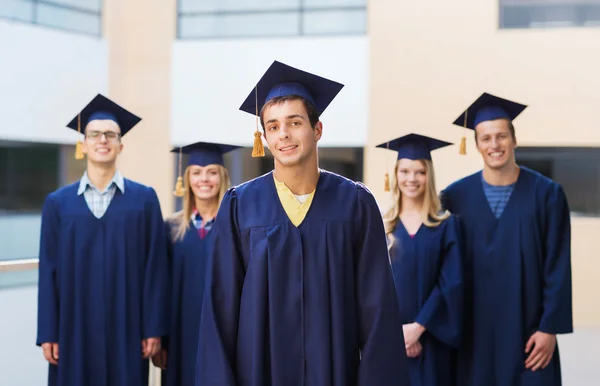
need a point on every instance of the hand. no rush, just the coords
(51, 352)
(160, 359)
(414, 350)
(543, 349)
(412, 333)
(150, 347)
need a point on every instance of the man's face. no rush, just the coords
(495, 143)
(289, 134)
(102, 141)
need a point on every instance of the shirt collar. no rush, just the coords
(117, 179)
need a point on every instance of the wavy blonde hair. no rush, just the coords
(431, 212)
(180, 221)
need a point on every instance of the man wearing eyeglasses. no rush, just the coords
(103, 264)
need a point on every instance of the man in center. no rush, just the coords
(300, 291)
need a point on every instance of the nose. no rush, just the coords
(103, 138)
(283, 132)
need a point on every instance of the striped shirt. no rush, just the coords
(497, 196)
(96, 200)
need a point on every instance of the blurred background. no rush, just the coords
(186, 66)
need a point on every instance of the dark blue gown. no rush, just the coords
(188, 260)
(429, 283)
(102, 285)
(517, 275)
(312, 305)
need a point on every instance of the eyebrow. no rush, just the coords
(288, 117)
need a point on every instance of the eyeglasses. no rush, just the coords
(96, 135)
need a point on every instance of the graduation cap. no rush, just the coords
(201, 154)
(283, 80)
(412, 146)
(487, 108)
(101, 108)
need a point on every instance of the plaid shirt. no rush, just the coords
(200, 225)
(96, 200)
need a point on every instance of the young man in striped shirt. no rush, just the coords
(515, 227)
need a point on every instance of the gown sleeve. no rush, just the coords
(557, 315)
(442, 312)
(383, 355)
(48, 297)
(156, 279)
(221, 304)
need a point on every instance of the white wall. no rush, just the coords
(46, 77)
(211, 79)
(21, 361)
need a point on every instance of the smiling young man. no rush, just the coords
(103, 265)
(300, 291)
(516, 229)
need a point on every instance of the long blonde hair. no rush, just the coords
(431, 212)
(180, 221)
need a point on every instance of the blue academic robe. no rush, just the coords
(517, 275)
(308, 305)
(102, 285)
(188, 259)
(429, 283)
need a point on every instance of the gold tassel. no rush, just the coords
(179, 191)
(463, 145)
(463, 141)
(386, 184)
(258, 150)
(78, 150)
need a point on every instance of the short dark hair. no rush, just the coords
(311, 110)
(511, 129)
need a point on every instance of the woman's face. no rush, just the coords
(205, 181)
(412, 178)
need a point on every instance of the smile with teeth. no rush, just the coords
(288, 148)
(103, 150)
(496, 154)
(205, 188)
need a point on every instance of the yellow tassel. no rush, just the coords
(78, 151)
(179, 191)
(386, 185)
(463, 146)
(258, 150)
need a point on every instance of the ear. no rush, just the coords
(318, 129)
(120, 148)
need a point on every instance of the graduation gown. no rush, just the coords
(102, 285)
(188, 260)
(429, 283)
(518, 278)
(312, 305)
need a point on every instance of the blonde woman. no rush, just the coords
(205, 182)
(425, 257)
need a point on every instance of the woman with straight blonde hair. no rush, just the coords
(423, 243)
(202, 188)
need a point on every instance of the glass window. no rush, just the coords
(90, 5)
(334, 3)
(17, 10)
(237, 5)
(28, 173)
(334, 22)
(73, 15)
(68, 19)
(549, 13)
(576, 169)
(241, 18)
(239, 25)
